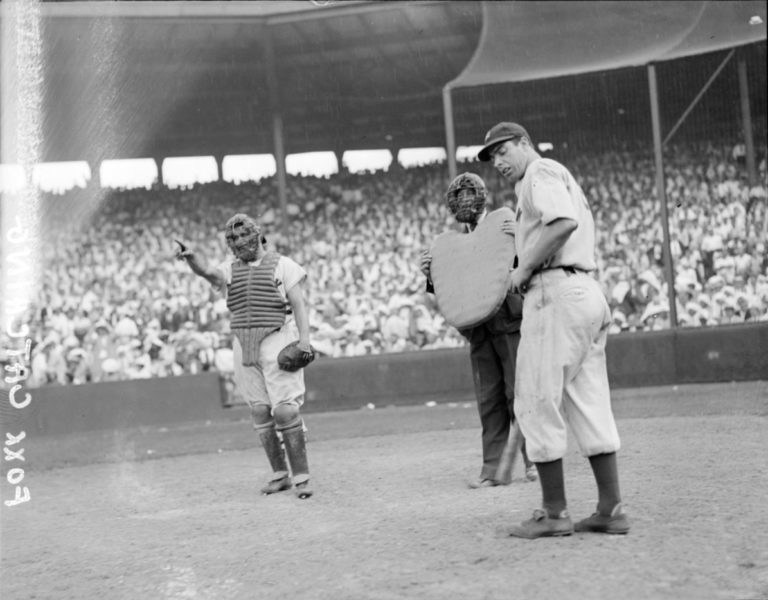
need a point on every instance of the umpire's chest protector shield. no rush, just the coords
(471, 272)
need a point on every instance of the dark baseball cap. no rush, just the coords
(500, 133)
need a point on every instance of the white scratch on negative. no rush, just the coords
(21, 95)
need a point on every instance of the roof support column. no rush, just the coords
(749, 142)
(159, 163)
(219, 158)
(277, 126)
(450, 135)
(339, 154)
(661, 193)
(746, 118)
(394, 151)
(279, 149)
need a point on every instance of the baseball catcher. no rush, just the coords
(493, 343)
(265, 296)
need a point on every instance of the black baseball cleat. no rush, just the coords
(615, 523)
(542, 525)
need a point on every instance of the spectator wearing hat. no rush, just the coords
(730, 313)
(351, 257)
(742, 260)
(710, 244)
(48, 364)
(725, 264)
(692, 315)
(110, 370)
(656, 317)
(717, 310)
(78, 370)
(744, 308)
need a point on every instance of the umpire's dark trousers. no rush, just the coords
(493, 353)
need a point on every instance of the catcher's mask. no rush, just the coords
(466, 197)
(243, 237)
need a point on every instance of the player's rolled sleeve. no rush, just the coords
(290, 273)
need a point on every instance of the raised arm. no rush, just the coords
(199, 266)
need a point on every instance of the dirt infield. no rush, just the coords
(392, 517)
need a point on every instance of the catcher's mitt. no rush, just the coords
(291, 358)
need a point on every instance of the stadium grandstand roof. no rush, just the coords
(522, 41)
(155, 79)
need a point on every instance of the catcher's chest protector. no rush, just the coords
(257, 306)
(253, 297)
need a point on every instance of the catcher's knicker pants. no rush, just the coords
(266, 383)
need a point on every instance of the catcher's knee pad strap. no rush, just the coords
(287, 416)
(261, 414)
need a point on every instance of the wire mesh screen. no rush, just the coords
(600, 126)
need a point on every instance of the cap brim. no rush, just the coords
(485, 154)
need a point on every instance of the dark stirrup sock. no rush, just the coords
(552, 487)
(606, 470)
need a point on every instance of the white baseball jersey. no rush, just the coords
(546, 193)
(561, 365)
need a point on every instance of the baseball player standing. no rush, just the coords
(265, 296)
(561, 365)
(493, 345)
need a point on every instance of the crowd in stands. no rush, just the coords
(114, 304)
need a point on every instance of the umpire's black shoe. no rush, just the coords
(615, 523)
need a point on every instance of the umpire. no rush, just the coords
(493, 345)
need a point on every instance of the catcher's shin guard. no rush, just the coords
(276, 457)
(296, 449)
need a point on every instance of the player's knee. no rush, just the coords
(287, 416)
(261, 414)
